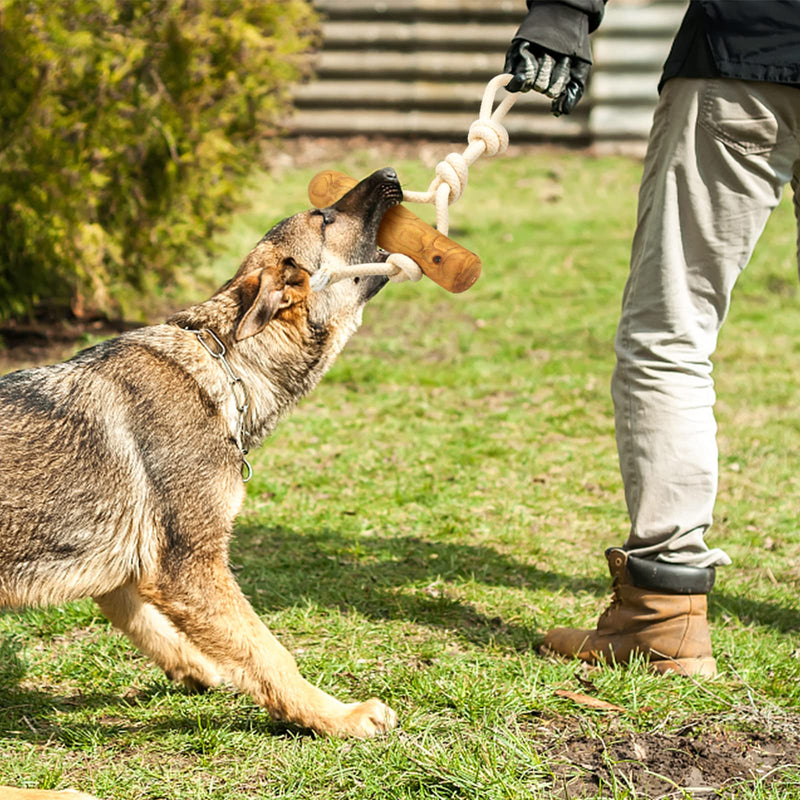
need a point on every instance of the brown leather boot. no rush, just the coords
(657, 609)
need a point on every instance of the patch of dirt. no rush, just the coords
(693, 763)
(26, 344)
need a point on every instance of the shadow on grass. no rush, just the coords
(381, 578)
(406, 578)
(391, 578)
(784, 619)
(42, 717)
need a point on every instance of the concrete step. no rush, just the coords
(425, 95)
(416, 65)
(660, 19)
(629, 53)
(654, 23)
(353, 35)
(624, 88)
(430, 125)
(422, 9)
(612, 122)
(610, 54)
(619, 89)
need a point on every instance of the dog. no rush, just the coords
(121, 470)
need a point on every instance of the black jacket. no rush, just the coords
(756, 40)
(562, 26)
(752, 40)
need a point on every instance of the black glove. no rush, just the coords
(558, 76)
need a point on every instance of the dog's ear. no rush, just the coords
(268, 291)
(263, 296)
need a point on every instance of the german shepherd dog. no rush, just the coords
(121, 470)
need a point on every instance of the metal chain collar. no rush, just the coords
(238, 390)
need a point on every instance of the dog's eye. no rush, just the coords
(328, 216)
(294, 274)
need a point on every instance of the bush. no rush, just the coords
(126, 129)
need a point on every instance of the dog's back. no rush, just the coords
(93, 451)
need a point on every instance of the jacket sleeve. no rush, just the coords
(562, 26)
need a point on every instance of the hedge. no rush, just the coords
(127, 128)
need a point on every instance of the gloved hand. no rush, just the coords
(560, 77)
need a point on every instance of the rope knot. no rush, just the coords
(454, 171)
(493, 135)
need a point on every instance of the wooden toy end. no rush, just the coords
(444, 261)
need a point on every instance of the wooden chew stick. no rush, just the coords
(444, 261)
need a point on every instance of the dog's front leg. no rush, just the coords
(157, 638)
(206, 604)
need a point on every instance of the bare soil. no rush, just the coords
(701, 760)
(26, 344)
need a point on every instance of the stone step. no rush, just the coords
(416, 65)
(350, 35)
(654, 23)
(660, 19)
(513, 10)
(624, 88)
(657, 19)
(427, 95)
(609, 54)
(618, 89)
(541, 126)
(630, 53)
(621, 122)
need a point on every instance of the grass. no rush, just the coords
(440, 501)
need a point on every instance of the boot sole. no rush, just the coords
(705, 667)
(700, 667)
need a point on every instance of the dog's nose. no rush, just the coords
(383, 187)
(388, 174)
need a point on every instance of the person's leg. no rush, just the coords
(716, 170)
(719, 154)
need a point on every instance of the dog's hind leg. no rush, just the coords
(204, 601)
(158, 638)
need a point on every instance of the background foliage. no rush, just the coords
(126, 128)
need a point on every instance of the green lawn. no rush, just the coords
(440, 501)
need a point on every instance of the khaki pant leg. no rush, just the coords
(719, 155)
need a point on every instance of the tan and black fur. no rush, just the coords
(120, 476)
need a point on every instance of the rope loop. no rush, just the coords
(397, 268)
(405, 268)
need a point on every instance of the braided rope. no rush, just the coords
(487, 136)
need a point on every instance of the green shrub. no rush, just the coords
(126, 129)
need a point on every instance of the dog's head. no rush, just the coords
(272, 284)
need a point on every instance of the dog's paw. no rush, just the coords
(194, 682)
(367, 719)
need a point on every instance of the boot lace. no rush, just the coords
(614, 602)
